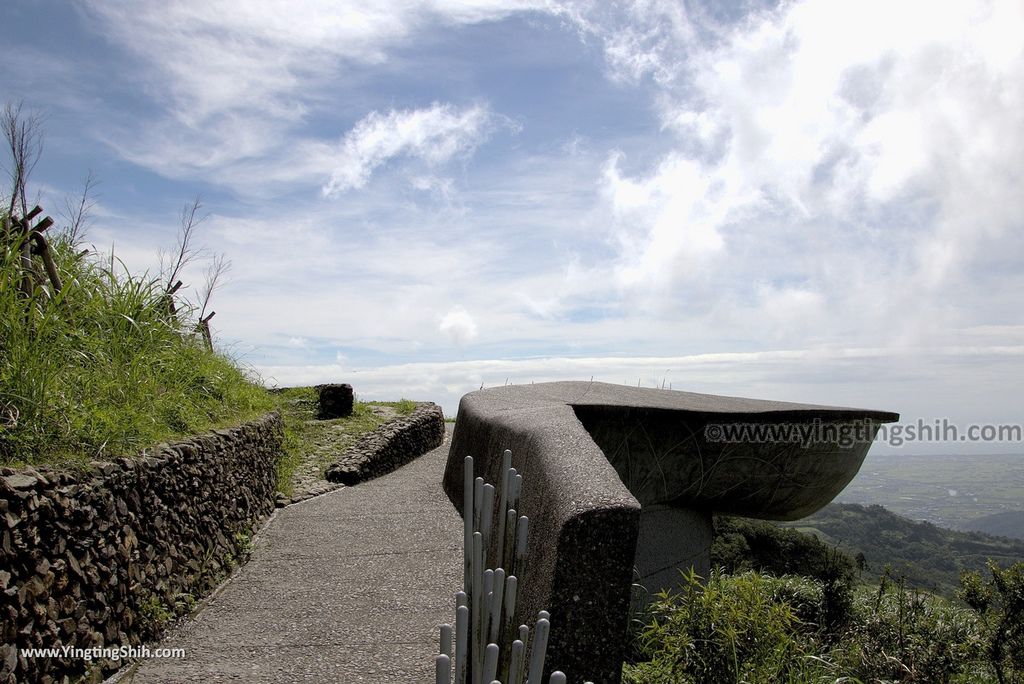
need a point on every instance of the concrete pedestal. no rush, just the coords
(672, 540)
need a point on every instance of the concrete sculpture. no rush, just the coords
(622, 477)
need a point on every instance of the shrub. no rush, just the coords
(758, 628)
(909, 636)
(740, 544)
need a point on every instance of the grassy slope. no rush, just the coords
(103, 370)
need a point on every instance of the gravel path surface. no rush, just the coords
(346, 587)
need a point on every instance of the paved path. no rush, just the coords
(346, 587)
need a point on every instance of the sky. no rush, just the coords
(804, 201)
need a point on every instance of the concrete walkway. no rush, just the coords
(346, 587)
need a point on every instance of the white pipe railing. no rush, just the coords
(488, 648)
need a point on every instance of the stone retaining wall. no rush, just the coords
(106, 558)
(390, 446)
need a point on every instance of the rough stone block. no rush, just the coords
(335, 400)
(91, 551)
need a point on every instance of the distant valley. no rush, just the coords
(983, 493)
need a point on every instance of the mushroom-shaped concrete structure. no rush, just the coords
(617, 477)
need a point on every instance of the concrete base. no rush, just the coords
(672, 540)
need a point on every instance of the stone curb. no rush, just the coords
(390, 446)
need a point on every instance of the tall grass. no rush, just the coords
(102, 369)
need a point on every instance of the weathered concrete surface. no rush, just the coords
(671, 538)
(346, 587)
(592, 453)
(583, 522)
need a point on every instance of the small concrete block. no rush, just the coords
(335, 400)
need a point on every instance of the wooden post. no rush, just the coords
(26, 258)
(204, 326)
(169, 299)
(43, 250)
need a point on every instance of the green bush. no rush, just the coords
(731, 629)
(999, 604)
(103, 369)
(752, 627)
(742, 544)
(910, 636)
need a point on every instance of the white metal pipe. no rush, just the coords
(476, 648)
(486, 517)
(511, 589)
(461, 644)
(467, 521)
(508, 558)
(506, 468)
(538, 650)
(491, 663)
(442, 669)
(445, 647)
(517, 662)
(498, 593)
(478, 497)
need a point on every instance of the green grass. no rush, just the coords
(403, 407)
(102, 370)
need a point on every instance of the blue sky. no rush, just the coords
(807, 201)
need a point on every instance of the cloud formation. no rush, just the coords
(231, 80)
(778, 186)
(434, 134)
(459, 326)
(903, 381)
(824, 155)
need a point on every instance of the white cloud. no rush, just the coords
(640, 37)
(220, 55)
(668, 221)
(459, 326)
(434, 134)
(868, 377)
(821, 156)
(233, 79)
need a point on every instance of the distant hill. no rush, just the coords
(930, 557)
(1006, 524)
